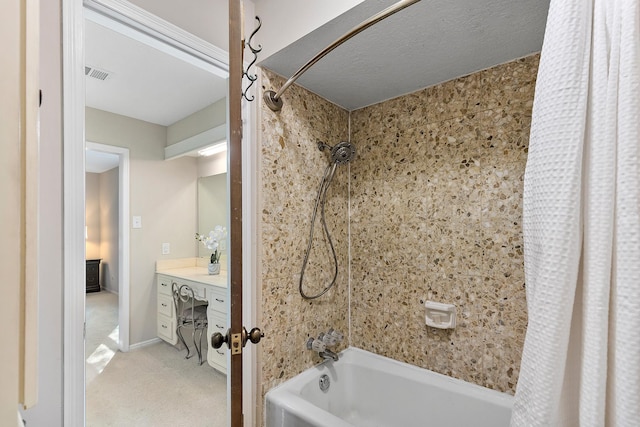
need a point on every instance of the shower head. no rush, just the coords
(342, 152)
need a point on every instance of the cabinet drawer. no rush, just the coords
(166, 329)
(164, 285)
(217, 358)
(165, 306)
(218, 301)
(217, 323)
(92, 273)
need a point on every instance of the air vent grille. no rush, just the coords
(96, 73)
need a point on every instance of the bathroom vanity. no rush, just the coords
(210, 288)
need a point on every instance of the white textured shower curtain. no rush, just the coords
(581, 358)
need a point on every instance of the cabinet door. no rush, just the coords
(166, 329)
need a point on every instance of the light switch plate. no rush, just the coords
(166, 249)
(137, 222)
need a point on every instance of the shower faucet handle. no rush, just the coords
(327, 338)
(316, 345)
(337, 336)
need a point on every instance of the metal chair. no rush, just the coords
(189, 312)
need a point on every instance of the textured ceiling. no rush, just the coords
(425, 44)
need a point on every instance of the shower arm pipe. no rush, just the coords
(273, 99)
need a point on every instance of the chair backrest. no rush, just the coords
(183, 299)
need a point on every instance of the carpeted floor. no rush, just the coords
(150, 386)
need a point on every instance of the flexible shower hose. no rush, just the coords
(320, 201)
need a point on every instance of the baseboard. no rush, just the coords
(111, 291)
(144, 343)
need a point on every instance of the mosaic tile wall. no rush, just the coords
(436, 213)
(291, 169)
(436, 201)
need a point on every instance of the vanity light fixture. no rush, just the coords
(214, 149)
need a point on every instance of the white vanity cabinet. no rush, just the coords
(217, 321)
(166, 322)
(210, 288)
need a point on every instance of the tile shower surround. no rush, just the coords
(435, 213)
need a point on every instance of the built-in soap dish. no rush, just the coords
(439, 315)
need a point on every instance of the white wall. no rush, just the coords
(163, 193)
(109, 228)
(285, 21)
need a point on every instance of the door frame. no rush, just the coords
(73, 13)
(123, 238)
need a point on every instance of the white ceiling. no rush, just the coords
(425, 44)
(144, 82)
(99, 162)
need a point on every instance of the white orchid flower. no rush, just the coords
(212, 241)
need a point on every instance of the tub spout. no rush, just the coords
(328, 354)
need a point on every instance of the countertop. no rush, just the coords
(191, 269)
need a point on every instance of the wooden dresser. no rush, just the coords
(93, 275)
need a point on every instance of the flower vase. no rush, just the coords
(214, 268)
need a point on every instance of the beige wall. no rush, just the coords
(48, 411)
(209, 117)
(163, 193)
(11, 99)
(109, 229)
(212, 207)
(435, 214)
(212, 165)
(92, 215)
(101, 209)
(291, 170)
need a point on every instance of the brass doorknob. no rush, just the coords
(217, 339)
(255, 335)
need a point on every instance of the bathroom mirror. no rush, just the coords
(212, 207)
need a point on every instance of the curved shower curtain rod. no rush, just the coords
(272, 98)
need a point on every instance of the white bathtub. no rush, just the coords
(368, 390)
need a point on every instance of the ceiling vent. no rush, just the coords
(96, 73)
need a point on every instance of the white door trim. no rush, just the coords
(73, 213)
(129, 15)
(123, 239)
